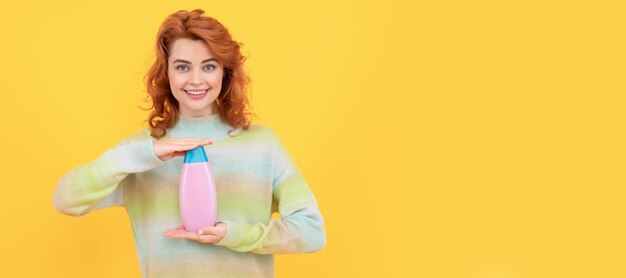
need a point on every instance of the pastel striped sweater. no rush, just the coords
(254, 176)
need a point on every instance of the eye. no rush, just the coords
(178, 68)
(206, 67)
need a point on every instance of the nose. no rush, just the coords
(196, 78)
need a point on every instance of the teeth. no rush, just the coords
(196, 92)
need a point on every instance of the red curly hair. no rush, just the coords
(232, 101)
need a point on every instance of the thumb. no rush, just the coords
(206, 231)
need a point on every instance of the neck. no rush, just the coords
(207, 127)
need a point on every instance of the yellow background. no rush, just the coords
(441, 138)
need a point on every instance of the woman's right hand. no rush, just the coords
(170, 147)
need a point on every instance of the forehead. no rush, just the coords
(194, 51)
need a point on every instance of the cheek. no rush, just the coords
(174, 80)
(216, 79)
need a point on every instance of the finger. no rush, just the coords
(182, 147)
(183, 234)
(206, 231)
(193, 236)
(194, 140)
(190, 140)
(187, 143)
(170, 230)
(178, 150)
(204, 143)
(196, 237)
(209, 239)
(175, 233)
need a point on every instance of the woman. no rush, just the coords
(198, 90)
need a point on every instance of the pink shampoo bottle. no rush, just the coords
(198, 198)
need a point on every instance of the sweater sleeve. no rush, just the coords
(97, 184)
(301, 227)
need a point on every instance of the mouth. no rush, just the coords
(195, 94)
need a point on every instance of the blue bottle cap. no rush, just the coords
(195, 155)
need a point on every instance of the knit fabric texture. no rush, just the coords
(254, 177)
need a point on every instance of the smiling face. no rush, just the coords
(195, 77)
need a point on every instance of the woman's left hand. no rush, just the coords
(209, 234)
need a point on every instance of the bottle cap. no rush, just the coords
(195, 155)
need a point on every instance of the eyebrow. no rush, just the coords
(187, 62)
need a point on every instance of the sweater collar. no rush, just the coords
(207, 127)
